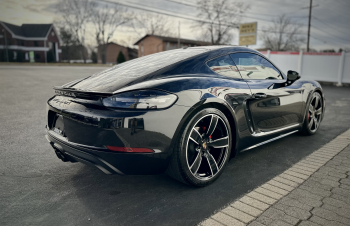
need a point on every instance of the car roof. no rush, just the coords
(168, 63)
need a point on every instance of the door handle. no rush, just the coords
(260, 95)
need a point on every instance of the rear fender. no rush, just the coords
(209, 103)
(309, 98)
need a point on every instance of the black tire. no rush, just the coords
(201, 153)
(313, 116)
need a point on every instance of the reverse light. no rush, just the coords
(128, 149)
(141, 99)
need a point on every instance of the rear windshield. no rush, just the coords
(142, 66)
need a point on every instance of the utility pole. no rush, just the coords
(308, 30)
(178, 38)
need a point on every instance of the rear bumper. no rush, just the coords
(107, 161)
(89, 128)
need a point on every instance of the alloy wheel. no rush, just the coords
(207, 147)
(315, 113)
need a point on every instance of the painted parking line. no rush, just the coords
(249, 207)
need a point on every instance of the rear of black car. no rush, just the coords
(127, 132)
(115, 141)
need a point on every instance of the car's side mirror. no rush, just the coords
(292, 76)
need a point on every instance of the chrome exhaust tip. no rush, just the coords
(61, 156)
(59, 153)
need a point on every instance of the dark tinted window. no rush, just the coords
(252, 66)
(224, 66)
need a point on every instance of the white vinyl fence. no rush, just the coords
(324, 67)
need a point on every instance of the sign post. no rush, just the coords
(248, 33)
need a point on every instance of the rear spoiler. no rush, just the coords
(69, 92)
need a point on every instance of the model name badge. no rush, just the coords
(65, 93)
(58, 101)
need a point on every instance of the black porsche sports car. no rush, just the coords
(185, 112)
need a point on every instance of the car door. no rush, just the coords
(234, 90)
(275, 105)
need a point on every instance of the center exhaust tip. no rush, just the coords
(60, 155)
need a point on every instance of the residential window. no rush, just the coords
(37, 56)
(224, 66)
(253, 66)
(36, 43)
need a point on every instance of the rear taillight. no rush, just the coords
(141, 99)
(130, 150)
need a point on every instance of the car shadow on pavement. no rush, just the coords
(144, 200)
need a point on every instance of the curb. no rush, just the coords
(252, 205)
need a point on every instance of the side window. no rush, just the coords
(252, 66)
(224, 66)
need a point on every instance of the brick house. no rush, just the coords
(112, 51)
(150, 44)
(16, 43)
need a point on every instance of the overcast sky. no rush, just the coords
(330, 22)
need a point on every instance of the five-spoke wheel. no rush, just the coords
(314, 114)
(207, 146)
(204, 148)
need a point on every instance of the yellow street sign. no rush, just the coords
(247, 28)
(247, 40)
(247, 34)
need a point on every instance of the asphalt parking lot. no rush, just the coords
(36, 188)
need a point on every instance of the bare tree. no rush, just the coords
(283, 35)
(75, 15)
(106, 19)
(153, 24)
(220, 18)
(68, 44)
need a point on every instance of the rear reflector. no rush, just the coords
(128, 149)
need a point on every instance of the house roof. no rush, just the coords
(35, 30)
(112, 43)
(132, 52)
(172, 39)
(14, 28)
(29, 30)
